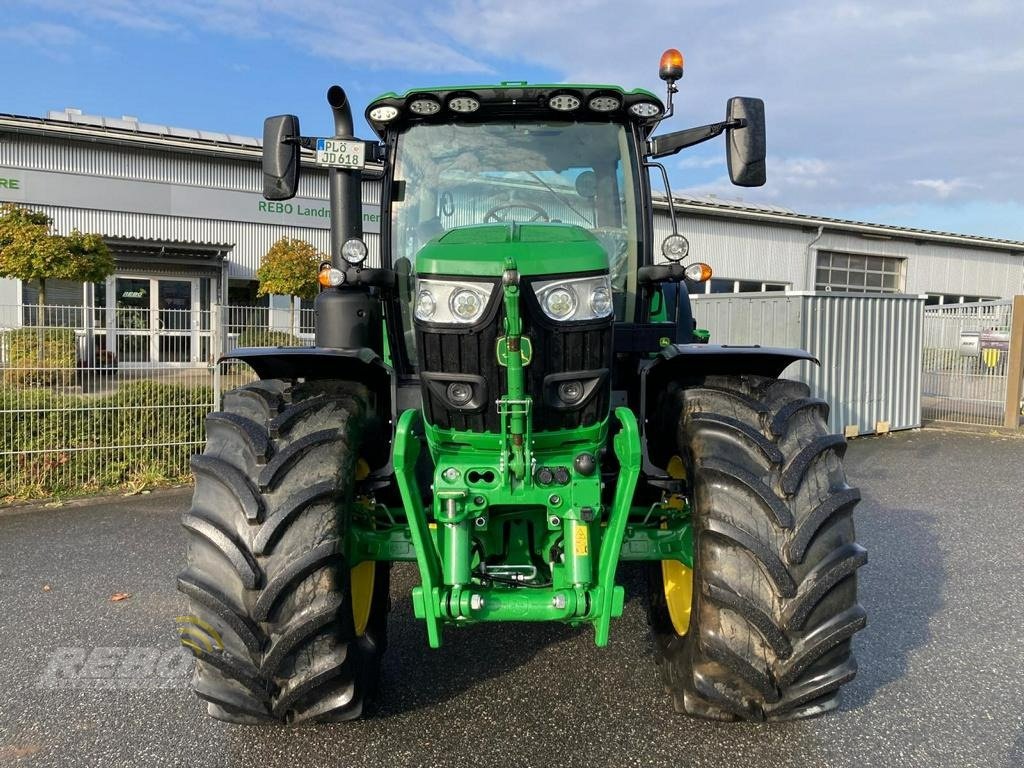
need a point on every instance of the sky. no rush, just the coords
(907, 113)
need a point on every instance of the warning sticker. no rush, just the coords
(581, 544)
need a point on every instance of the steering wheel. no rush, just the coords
(492, 215)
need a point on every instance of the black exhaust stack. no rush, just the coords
(347, 317)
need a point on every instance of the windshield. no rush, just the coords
(454, 175)
(449, 176)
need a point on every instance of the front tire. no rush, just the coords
(282, 627)
(774, 580)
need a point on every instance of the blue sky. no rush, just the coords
(902, 113)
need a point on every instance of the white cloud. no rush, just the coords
(868, 102)
(944, 187)
(323, 28)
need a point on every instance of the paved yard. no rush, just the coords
(941, 680)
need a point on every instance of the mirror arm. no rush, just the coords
(670, 143)
(668, 193)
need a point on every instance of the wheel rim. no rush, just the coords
(361, 592)
(361, 576)
(676, 578)
(678, 583)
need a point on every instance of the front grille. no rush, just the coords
(556, 349)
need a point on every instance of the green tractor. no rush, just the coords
(516, 400)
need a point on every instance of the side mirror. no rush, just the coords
(746, 145)
(280, 157)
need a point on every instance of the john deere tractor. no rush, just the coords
(515, 398)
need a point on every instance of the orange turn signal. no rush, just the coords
(329, 277)
(699, 272)
(671, 68)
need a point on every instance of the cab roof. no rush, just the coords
(512, 99)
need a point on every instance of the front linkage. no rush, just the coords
(561, 489)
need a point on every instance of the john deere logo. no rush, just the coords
(198, 636)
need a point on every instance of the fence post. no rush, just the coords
(1015, 364)
(218, 326)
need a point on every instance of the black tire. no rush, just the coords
(774, 579)
(267, 568)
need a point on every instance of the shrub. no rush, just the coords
(61, 443)
(262, 337)
(42, 357)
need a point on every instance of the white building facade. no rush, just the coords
(183, 215)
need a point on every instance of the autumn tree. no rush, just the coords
(289, 268)
(29, 251)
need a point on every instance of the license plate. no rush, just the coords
(340, 153)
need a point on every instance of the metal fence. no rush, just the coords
(965, 366)
(104, 397)
(94, 398)
(869, 347)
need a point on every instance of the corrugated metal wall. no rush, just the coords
(250, 240)
(869, 348)
(736, 248)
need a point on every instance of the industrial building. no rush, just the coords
(182, 212)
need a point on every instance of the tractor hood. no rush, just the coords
(538, 249)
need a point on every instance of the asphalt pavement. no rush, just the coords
(85, 680)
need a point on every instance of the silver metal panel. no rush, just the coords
(869, 348)
(251, 241)
(143, 164)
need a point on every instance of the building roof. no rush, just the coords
(776, 214)
(127, 129)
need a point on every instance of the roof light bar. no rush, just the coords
(424, 106)
(646, 109)
(565, 102)
(383, 114)
(464, 104)
(604, 103)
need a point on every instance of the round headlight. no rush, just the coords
(564, 102)
(601, 301)
(354, 251)
(570, 392)
(464, 104)
(645, 109)
(459, 393)
(425, 305)
(560, 303)
(383, 114)
(425, 107)
(675, 247)
(466, 304)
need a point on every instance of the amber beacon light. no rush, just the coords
(671, 67)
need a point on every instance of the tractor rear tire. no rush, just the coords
(774, 590)
(282, 628)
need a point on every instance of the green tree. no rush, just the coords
(30, 251)
(289, 268)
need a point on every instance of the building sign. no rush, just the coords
(71, 190)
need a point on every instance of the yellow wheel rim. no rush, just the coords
(678, 581)
(362, 576)
(361, 592)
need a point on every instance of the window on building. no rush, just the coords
(941, 299)
(853, 273)
(246, 310)
(732, 285)
(307, 316)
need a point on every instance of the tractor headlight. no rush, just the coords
(446, 301)
(583, 298)
(354, 251)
